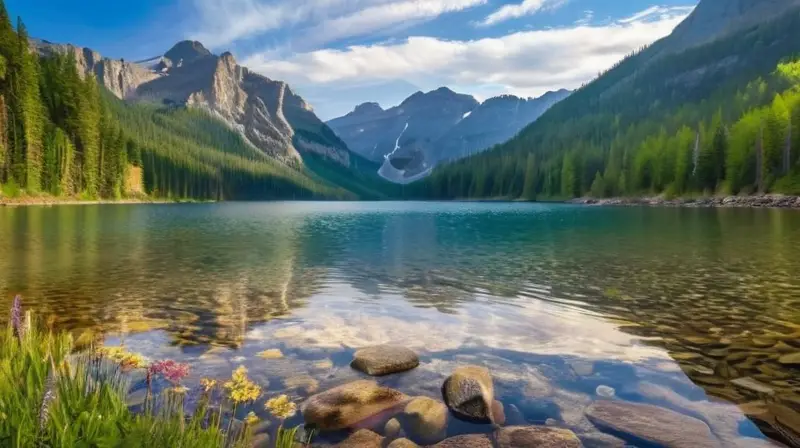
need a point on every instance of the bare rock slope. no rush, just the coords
(266, 112)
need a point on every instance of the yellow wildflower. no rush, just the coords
(123, 357)
(240, 388)
(281, 407)
(251, 418)
(207, 384)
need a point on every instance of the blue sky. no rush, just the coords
(339, 53)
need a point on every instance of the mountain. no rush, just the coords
(267, 113)
(713, 107)
(429, 128)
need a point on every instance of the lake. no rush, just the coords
(693, 310)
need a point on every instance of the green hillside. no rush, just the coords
(634, 129)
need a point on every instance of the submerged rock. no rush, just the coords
(392, 429)
(425, 420)
(643, 423)
(363, 438)
(469, 393)
(384, 360)
(466, 441)
(347, 405)
(536, 436)
(402, 443)
(786, 421)
(790, 360)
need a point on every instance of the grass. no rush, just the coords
(52, 396)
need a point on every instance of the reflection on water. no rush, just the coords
(677, 307)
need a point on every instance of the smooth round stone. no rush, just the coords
(605, 391)
(363, 438)
(466, 441)
(469, 393)
(384, 360)
(790, 360)
(425, 420)
(402, 443)
(392, 429)
(536, 436)
(347, 405)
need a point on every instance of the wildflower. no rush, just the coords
(207, 384)
(240, 388)
(281, 407)
(173, 371)
(125, 359)
(16, 318)
(251, 418)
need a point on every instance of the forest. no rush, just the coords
(63, 135)
(722, 118)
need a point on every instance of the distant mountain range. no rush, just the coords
(266, 112)
(426, 129)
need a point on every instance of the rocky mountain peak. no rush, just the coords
(367, 108)
(187, 51)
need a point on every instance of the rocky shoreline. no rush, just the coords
(759, 201)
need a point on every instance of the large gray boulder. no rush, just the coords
(653, 425)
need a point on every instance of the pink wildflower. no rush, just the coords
(169, 369)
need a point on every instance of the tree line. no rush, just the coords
(720, 118)
(63, 134)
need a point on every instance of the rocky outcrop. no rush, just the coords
(384, 360)
(428, 128)
(266, 112)
(118, 76)
(469, 393)
(642, 423)
(350, 404)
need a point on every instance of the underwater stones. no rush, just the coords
(305, 382)
(643, 423)
(753, 385)
(536, 436)
(345, 406)
(363, 438)
(469, 393)
(402, 443)
(514, 416)
(274, 353)
(392, 429)
(466, 441)
(786, 421)
(792, 360)
(425, 420)
(686, 356)
(384, 360)
(605, 391)
(498, 413)
(582, 368)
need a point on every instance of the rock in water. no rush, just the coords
(536, 436)
(469, 394)
(425, 420)
(384, 360)
(345, 406)
(363, 438)
(643, 423)
(466, 441)
(392, 429)
(402, 443)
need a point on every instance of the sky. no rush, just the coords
(340, 53)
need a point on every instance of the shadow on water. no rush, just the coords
(675, 307)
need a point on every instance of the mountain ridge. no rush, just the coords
(428, 128)
(266, 112)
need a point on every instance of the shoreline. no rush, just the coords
(49, 201)
(755, 201)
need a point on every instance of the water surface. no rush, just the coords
(665, 306)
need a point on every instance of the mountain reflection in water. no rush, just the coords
(684, 308)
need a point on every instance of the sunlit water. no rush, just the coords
(665, 306)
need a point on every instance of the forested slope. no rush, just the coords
(720, 117)
(62, 134)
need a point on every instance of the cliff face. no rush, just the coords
(266, 112)
(120, 77)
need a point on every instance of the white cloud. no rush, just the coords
(223, 22)
(526, 8)
(524, 63)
